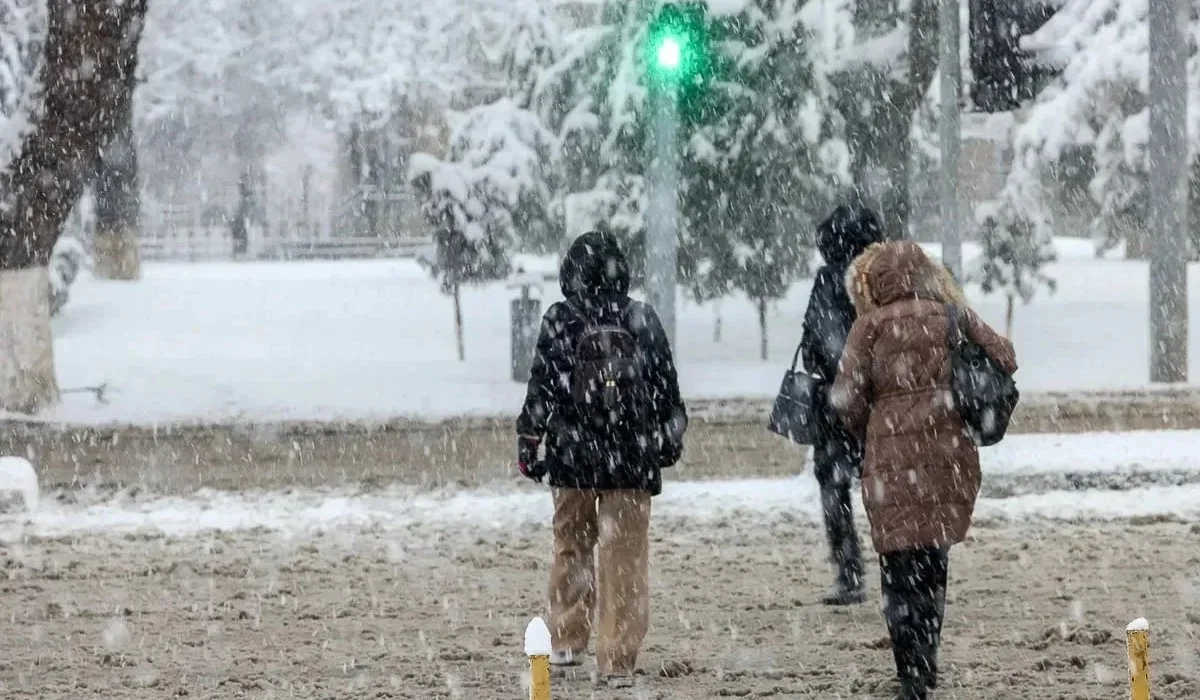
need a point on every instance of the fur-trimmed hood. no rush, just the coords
(896, 270)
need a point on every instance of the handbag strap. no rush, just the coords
(954, 335)
(796, 357)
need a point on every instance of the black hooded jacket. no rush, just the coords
(842, 237)
(595, 283)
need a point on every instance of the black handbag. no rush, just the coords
(797, 413)
(984, 394)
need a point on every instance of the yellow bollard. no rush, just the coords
(1137, 643)
(537, 648)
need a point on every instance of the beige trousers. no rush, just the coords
(619, 599)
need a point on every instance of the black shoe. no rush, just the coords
(845, 595)
(912, 691)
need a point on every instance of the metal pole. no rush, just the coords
(662, 214)
(951, 133)
(1167, 151)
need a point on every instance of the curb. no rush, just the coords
(727, 438)
(1138, 406)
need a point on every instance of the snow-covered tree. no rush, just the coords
(1013, 257)
(761, 126)
(588, 98)
(531, 47)
(60, 135)
(880, 79)
(488, 194)
(765, 162)
(1092, 121)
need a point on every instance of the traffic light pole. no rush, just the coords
(662, 212)
(951, 134)
(1168, 166)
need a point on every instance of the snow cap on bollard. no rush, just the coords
(18, 477)
(1137, 644)
(537, 638)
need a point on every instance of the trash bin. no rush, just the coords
(526, 311)
(526, 321)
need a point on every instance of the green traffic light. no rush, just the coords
(677, 49)
(670, 53)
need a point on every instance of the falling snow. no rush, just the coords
(273, 273)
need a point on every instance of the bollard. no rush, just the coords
(1137, 643)
(537, 648)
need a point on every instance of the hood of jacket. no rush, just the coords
(594, 268)
(847, 232)
(889, 272)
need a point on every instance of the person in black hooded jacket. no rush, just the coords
(837, 456)
(603, 471)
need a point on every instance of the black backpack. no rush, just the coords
(984, 394)
(608, 379)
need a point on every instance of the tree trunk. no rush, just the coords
(57, 157)
(762, 329)
(117, 201)
(27, 380)
(458, 323)
(716, 320)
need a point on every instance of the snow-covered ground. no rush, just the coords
(504, 506)
(304, 513)
(375, 339)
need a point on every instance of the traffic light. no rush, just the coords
(1004, 75)
(677, 52)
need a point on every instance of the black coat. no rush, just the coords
(595, 282)
(842, 237)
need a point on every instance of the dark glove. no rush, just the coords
(527, 458)
(670, 453)
(670, 444)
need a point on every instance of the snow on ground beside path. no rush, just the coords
(301, 513)
(1093, 452)
(375, 340)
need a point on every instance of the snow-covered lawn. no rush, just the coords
(375, 339)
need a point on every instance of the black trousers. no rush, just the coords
(914, 603)
(837, 462)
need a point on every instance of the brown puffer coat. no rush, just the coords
(921, 468)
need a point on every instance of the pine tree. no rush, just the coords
(765, 160)
(1014, 256)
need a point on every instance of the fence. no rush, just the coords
(210, 243)
(186, 234)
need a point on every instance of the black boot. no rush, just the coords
(844, 547)
(848, 588)
(912, 691)
(914, 589)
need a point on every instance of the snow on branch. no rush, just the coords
(22, 41)
(491, 194)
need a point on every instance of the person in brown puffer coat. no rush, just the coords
(921, 467)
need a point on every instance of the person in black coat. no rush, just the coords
(603, 469)
(837, 456)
